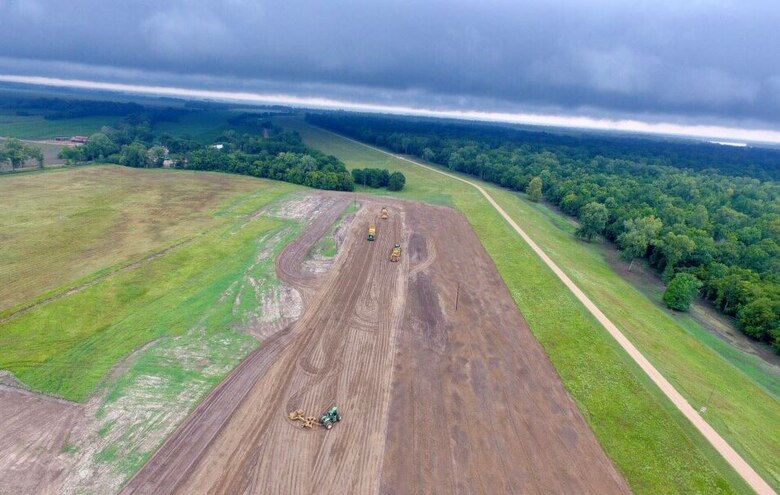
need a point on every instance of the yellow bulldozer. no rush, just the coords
(395, 254)
(384, 215)
(371, 232)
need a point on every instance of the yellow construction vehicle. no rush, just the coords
(395, 254)
(371, 232)
(384, 215)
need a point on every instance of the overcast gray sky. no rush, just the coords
(681, 61)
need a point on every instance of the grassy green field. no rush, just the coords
(36, 127)
(65, 225)
(650, 442)
(108, 218)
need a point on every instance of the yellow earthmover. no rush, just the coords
(299, 415)
(384, 215)
(395, 254)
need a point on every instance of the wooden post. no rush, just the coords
(457, 296)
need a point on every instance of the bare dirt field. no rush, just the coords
(37, 428)
(441, 385)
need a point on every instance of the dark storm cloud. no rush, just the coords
(715, 60)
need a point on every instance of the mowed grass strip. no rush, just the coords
(654, 446)
(739, 408)
(63, 225)
(67, 346)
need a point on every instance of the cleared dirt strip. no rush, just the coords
(729, 454)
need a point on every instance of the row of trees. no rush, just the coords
(16, 152)
(705, 231)
(274, 154)
(379, 177)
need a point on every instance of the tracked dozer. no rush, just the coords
(330, 417)
(371, 232)
(384, 215)
(395, 254)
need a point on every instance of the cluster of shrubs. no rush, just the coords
(379, 177)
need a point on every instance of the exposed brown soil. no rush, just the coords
(434, 399)
(37, 428)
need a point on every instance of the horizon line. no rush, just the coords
(705, 132)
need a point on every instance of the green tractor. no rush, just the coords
(330, 417)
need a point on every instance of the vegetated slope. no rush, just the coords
(68, 343)
(724, 229)
(651, 443)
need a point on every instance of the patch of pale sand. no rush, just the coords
(136, 422)
(318, 263)
(300, 208)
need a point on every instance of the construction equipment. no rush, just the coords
(395, 254)
(384, 215)
(300, 415)
(297, 415)
(330, 417)
(371, 232)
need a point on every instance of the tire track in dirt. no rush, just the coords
(32, 467)
(176, 457)
(479, 406)
(434, 400)
(350, 365)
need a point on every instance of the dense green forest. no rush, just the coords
(707, 217)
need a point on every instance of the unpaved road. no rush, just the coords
(736, 461)
(434, 400)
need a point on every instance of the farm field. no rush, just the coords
(164, 283)
(64, 226)
(36, 127)
(411, 374)
(610, 390)
(139, 342)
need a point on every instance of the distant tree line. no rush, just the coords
(66, 108)
(706, 217)
(281, 155)
(379, 177)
